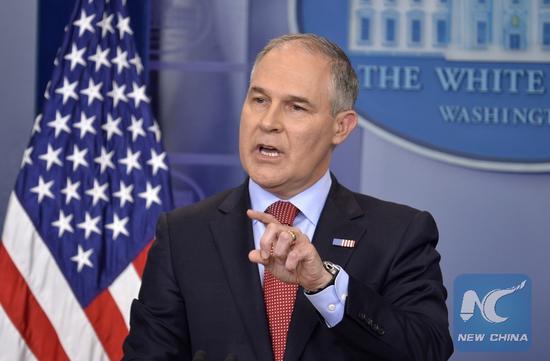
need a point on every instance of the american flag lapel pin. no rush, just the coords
(339, 242)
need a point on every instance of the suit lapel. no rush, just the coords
(233, 237)
(340, 218)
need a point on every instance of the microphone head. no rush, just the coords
(200, 355)
(231, 357)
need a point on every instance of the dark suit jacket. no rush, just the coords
(200, 291)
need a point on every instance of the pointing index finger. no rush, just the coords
(265, 218)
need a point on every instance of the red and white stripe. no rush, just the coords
(349, 243)
(39, 314)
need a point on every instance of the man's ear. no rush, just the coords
(345, 122)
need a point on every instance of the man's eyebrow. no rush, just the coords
(298, 99)
(257, 89)
(288, 98)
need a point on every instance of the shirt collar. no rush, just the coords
(310, 202)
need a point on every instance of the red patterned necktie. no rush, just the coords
(279, 296)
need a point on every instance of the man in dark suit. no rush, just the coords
(291, 265)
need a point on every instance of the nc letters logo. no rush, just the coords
(492, 312)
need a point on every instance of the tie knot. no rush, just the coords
(284, 212)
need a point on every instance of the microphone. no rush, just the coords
(231, 357)
(200, 355)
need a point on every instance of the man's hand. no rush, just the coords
(290, 260)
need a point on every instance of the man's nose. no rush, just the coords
(271, 120)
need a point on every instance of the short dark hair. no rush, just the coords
(344, 80)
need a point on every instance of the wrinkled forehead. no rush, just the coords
(294, 46)
(293, 68)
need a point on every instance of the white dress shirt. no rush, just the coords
(330, 302)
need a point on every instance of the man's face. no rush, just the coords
(287, 132)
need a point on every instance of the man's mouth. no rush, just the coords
(269, 151)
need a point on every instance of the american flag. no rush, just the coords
(92, 183)
(347, 243)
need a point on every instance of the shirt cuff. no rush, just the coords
(331, 302)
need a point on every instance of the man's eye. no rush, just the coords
(258, 100)
(298, 108)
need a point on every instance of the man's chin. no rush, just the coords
(271, 183)
(266, 182)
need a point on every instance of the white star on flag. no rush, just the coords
(82, 258)
(67, 90)
(85, 125)
(63, 223)
(76, 56)
(51, 157)
(124, 193)
(131, 161)
(104, 160)
(136, 128)
(120, 60)
(89, 225)
(105, 25)
(27, 157)
(93, 91)
(138, 94)
(155, 130)
(100, 58)
(111, 126)
(118, 226)
(123, 26)
(60, 123)
(78, 157)
(84, 23)
(97, 192)
(136, 61)
(157, 161)
(71, 191)
(47, 90)
(43, 189)
(117, 93)
(36, 125)
(151, 195)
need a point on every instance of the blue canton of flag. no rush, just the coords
(94, 177)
